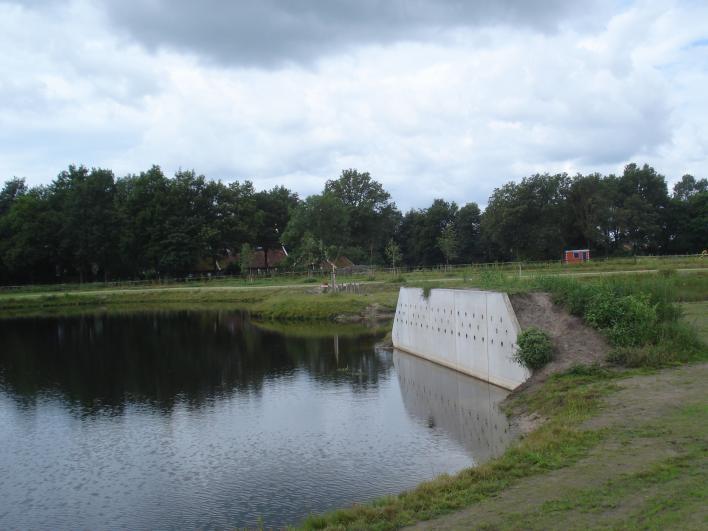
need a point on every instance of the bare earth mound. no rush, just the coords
(575, 342)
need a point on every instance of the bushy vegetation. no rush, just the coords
(640, 319)
(534, 348)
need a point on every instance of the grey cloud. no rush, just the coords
(270, 33)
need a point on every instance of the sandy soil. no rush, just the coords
(575, 342)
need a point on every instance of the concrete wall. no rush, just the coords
(471, 331)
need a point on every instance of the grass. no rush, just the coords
(640, 317)
(696, 314)
(273, 303)
(668, 494)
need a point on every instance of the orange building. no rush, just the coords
(576, 256)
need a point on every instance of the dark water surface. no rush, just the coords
(204, 419)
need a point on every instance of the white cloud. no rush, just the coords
(451, 118)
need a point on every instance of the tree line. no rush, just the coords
(89, 225)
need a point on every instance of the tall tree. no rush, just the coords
(325, 218)
(274, 210)
(373, 217)
(643, 201)
(448, 244)
(526, 221)
(689, 186)
(85, 201)
(467, 224)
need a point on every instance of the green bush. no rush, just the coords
(628, 320)
(637, 313)
(534, 348)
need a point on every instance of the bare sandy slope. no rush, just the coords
(575, 342)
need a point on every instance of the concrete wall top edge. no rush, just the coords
(475, 290)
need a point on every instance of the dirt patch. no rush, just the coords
(575, 342)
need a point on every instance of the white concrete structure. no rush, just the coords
(471, 331)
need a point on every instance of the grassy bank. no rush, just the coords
(577, 445)
(641, 318)
(274, 303)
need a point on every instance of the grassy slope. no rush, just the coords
(564, 442)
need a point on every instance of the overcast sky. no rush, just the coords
(434, 98)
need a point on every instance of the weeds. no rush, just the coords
(640, 318)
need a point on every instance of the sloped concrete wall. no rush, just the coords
(471, 331)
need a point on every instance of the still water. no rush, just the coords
(209, 420)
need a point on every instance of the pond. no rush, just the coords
(210, 420)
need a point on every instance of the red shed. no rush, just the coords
(576, 256)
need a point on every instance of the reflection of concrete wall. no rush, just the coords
(471, 331)
(464, 407)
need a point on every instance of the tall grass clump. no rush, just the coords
(639, 317)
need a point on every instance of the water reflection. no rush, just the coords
(106, 361)
(207, 420)
(467, 409)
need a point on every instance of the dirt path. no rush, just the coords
(650, 471)
(10, 294)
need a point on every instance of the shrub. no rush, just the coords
(534, 348)
(628, 320)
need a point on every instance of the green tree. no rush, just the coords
(393, 253)
(467, 224)
(11, 191)
(528, 220)
(688, 186)
(85, 203)
(29, 244)
(372, 216)
(447, 241)
(592, 220)
(245, 259)
(142, 211)
(274, 208)
(643, 201)
(324, 217)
